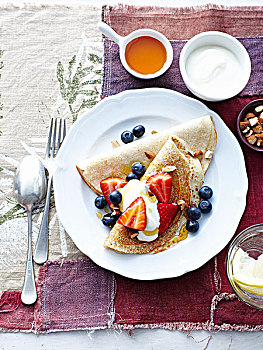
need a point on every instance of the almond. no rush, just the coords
(149, 154)
(244, 125)
(259, 109)
(253, 121)
(181, 204)
(260, 119)
(250, 115)
(259, 136)
(134, 235)
(259, 143)
(208, 154)
(246, 130)
(257, 129)
(169, 168)
(252, 139)
(249, 133)
(195, 153)
(154, 132)
(115, 143)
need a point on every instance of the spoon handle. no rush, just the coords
(29, 294)
(109, 32)
(41, 250)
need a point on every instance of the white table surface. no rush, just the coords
(140, 338)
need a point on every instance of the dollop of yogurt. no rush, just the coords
(130, 192)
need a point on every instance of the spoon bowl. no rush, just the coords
(29, 190)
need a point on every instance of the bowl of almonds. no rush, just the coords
(250, 125)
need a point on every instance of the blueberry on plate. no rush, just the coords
(115, 197)
(127, 136)
(109, 220)
(205, 206)
(138, 169)
(131, 176)
(192, 226)
(206, 192)
(138, 130)
(100, 202)
(194, 213)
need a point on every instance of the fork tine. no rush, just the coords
(64, 130)
(59, 136)
(54, 139)
(49, 138)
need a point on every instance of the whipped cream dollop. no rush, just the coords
(130, 192)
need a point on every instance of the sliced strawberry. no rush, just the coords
(167, 213)
(110, 184)
(135, 215)
(161, 185)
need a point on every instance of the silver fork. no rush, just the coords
(41, 250)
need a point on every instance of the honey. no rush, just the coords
(145, 55)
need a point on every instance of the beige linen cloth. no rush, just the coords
(50, 65)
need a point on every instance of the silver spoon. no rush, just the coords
(29, 188)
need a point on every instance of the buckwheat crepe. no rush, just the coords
(187, 179)
(199, 134)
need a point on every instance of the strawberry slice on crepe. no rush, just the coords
(135, 215)
(167, 213)
(110, 184)
(161, 186)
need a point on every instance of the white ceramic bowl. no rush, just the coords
(122, 41)
(226, 41)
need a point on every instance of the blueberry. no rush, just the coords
(192, 226)
(127, 136)
(109, 220)
(100, 202)
(206, 192)
(131, 176)
(205, 206)
(138, 130)
(115, 197)
(138, 169)
(194, 213)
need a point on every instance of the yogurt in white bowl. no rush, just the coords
(214, 66)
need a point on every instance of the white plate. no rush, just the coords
(156, 109)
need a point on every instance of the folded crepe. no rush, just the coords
(187, 179)
(199, 134)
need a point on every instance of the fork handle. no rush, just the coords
(41, 250)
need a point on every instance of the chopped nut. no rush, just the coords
(195, 153)
(253, 121)
(154, 132)
(168, 168)
(208, 154)
(259, 136)
(257, 129)
(249, 133)
(252, 139)
(260, 119)
(181, 204)
(244, 125)
(149, 154)
(134, 235)
(246, 130)
(259, 109)
(250, 115)
(115, 143)
(99, 215)
(259, 143)
(116, 212)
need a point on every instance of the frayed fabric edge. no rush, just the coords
(178, 10)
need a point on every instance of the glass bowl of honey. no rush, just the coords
(144, 53)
